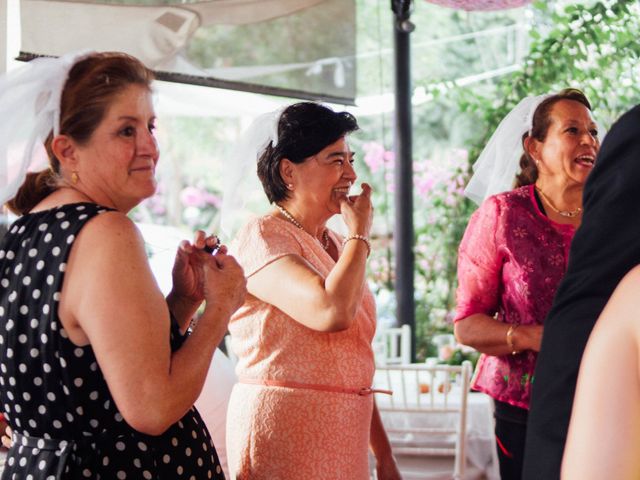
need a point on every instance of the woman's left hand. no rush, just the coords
(386, 469)
(187, 273)
(357, 212)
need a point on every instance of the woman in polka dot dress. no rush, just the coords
(97, 377)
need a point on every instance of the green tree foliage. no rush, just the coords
(592, 47)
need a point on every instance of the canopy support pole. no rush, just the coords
(403, 233)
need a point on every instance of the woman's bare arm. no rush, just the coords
(604, 432)
(110, 300)
(324, 304)
(295, 287)
(489, 336)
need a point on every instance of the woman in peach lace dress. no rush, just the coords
(303, 407)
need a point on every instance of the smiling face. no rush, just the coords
(324, 179)
(569, 149)
(117, 165)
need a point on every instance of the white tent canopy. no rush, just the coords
(174, 99)
(160, 30)
(232, 44)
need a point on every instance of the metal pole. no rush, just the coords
(404, 234)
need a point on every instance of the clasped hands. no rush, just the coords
(204, 270)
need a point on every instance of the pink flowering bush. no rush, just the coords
(441, 214)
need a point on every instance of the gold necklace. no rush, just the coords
(564, 213)
(291, 218)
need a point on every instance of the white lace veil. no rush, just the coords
(497, 166)
(29, 109)
(243, 195)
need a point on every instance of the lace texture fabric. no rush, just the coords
(511, 260)
(295, 433)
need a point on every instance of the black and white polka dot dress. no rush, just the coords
(65, 422)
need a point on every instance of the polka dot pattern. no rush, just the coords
(52, 391)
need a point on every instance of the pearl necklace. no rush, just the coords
(564, 213)
(291, 218)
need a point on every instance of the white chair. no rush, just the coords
(426, 417)
(392, 346)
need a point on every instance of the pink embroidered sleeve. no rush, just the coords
(480, 263)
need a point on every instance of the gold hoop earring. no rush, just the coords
(74, 177)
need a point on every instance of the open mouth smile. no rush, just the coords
(586, 160)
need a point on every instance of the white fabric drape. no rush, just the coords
(231, 44)
(151, 34)
(154, 34)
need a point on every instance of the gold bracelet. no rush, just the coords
(510, 332)
(358, 237)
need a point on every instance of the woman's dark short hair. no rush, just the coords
(539, 129)
(304, 129)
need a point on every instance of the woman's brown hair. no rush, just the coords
(91, 86)
(539, 129)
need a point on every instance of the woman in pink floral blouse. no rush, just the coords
(515, 249)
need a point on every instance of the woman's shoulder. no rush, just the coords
(264, 225)
(624, 303)
(69, 219)
(500, 208)
(630, 282)
(112, 220)
(633, 275)
(110, 228)
(516, 199)
(264, 229)
(262, 240)
(513, 197)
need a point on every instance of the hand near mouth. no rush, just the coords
(357, 211)
(366, 191)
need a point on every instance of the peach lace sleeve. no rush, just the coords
(263, 241)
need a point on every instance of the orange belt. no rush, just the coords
(364, 391)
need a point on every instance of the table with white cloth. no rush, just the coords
(480, 438)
